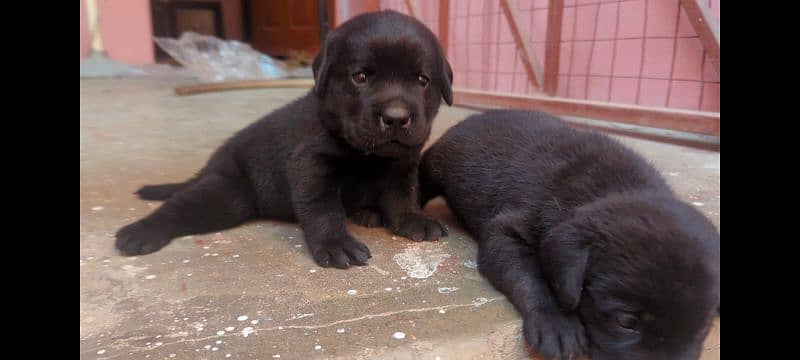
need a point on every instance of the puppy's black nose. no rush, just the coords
(396, 115)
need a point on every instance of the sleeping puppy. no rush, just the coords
(350, 147)
(581, 234)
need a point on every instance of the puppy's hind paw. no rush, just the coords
(368, 218)
(420, 227)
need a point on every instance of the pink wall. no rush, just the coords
(127, 31)
(626, 51)
(345, 9)
(85, 35)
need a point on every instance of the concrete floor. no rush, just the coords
(254, 292)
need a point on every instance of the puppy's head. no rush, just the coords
(642, 272)
(380, 78)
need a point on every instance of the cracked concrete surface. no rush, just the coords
(253, 292)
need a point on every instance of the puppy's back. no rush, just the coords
(528, 159)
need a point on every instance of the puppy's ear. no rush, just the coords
(322, 62)
(564, 254)
(447, 82)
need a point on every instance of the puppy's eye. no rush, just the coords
(628, 321)
(423, 80)
(360, 78)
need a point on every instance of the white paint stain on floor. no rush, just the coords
(299, 316)
(420, 261)
(447, 290)
(479, 301)
(132, 270)
(247, 331)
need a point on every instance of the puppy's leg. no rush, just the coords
(213, 202)
(161, 191)
(359, 201)
(400, 206)
(317, 202)
(512, 267)
(368, 217)
(428, 187)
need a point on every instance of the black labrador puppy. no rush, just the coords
(582, 235)
(350, 147)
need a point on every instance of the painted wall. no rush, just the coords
(625, 51)
(85, 35)
(345, 9)
(126, 29)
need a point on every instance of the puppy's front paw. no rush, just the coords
(340, 252)
(141, 238)
(368, 217)
(555, 335)
(419, 227)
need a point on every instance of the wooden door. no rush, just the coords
(286, 27)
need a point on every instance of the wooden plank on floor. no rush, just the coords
(243, 85)
(699, 122)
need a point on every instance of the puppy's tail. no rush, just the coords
(161, 191)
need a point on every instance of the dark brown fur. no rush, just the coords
(581, 234)
(335, 152)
